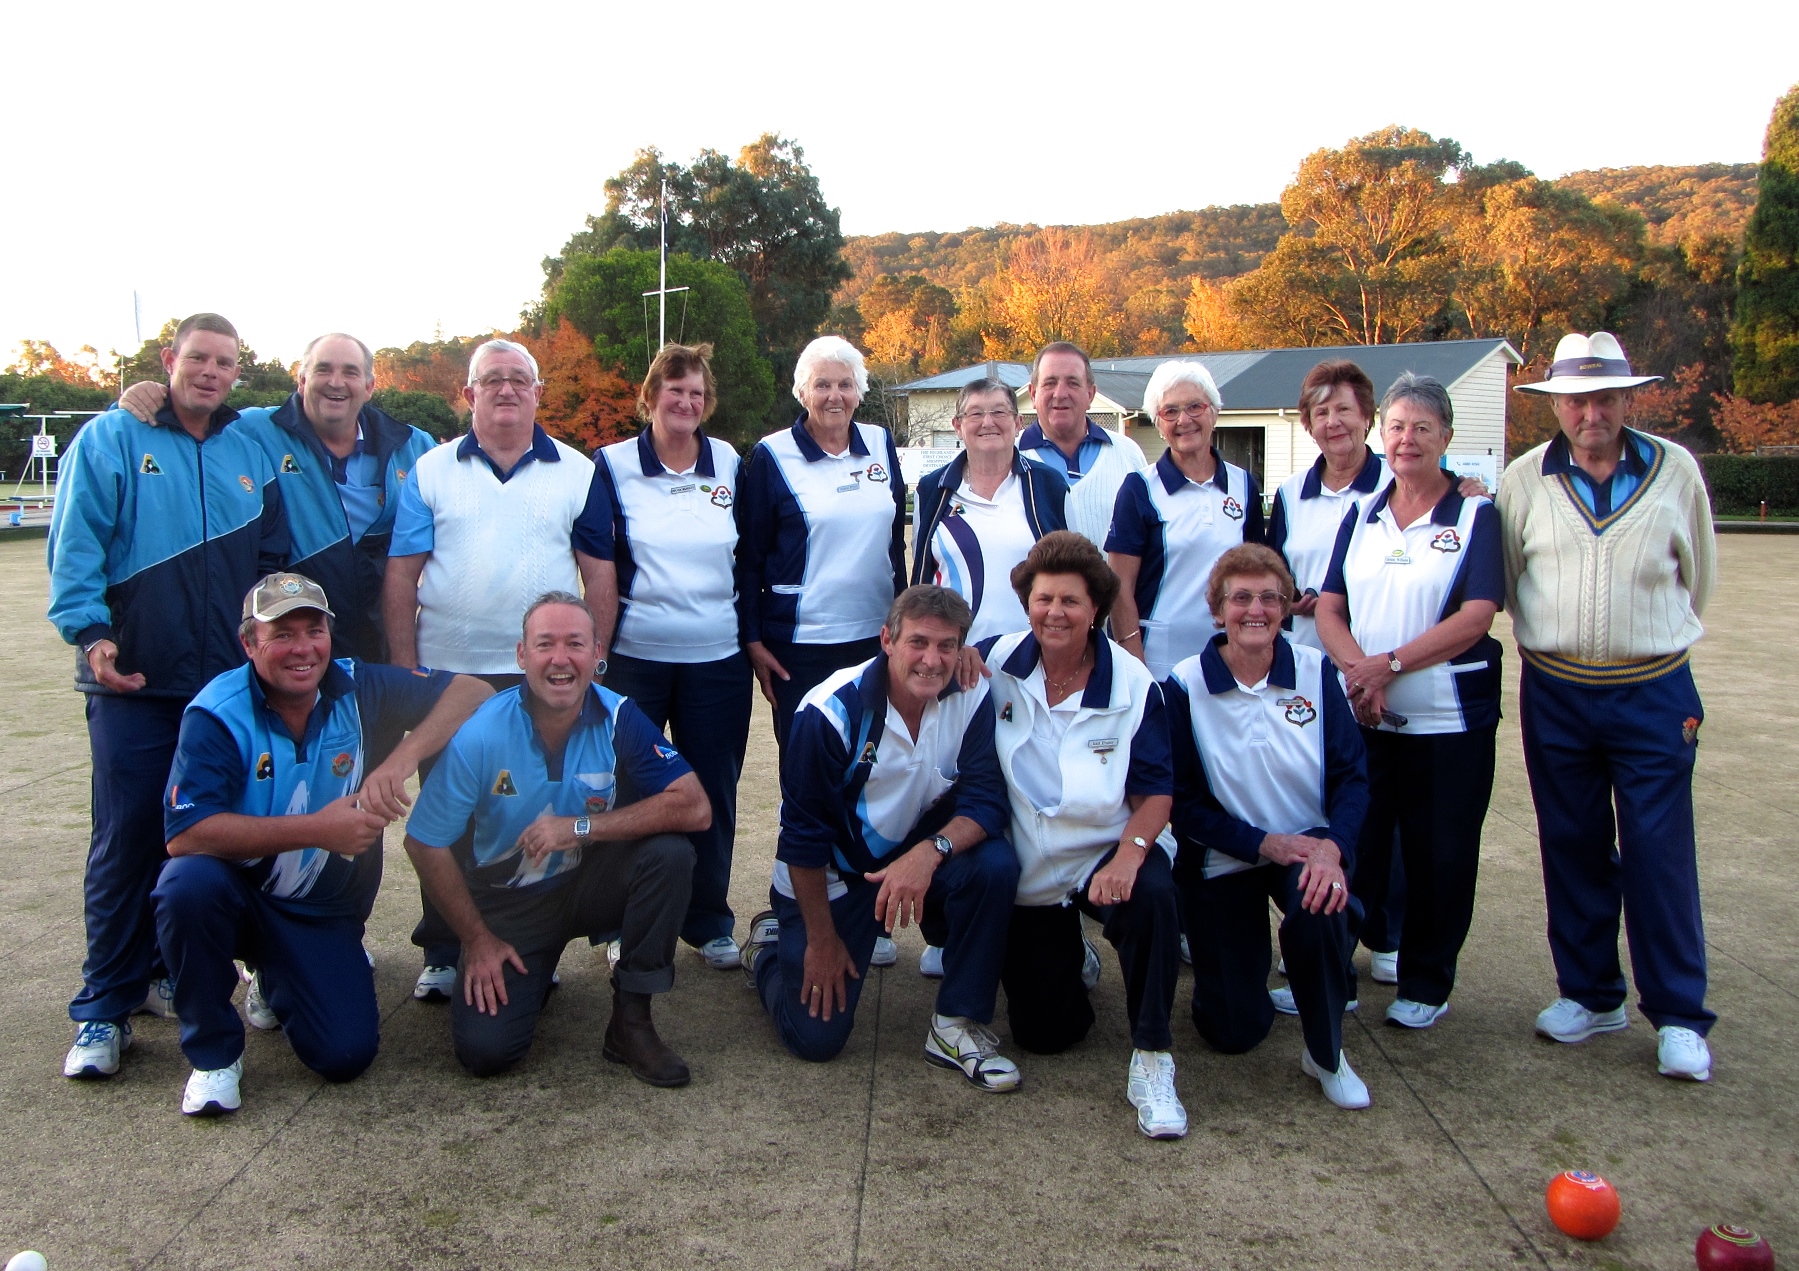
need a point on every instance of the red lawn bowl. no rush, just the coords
(1728, 1247)
(1582, 1204)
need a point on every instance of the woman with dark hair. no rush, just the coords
(1268, 765)
(1084, 748)
(661, 505)
(1415, 580)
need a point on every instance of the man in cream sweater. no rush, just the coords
(484, 527)
(1095, 460)
(1609, 561)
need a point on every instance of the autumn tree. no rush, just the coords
(438, 367)
(602, 298)
(584, 403)
(40, 358)
(908, 327)
(1209, 320)
(1054, 286)
(1766, 338)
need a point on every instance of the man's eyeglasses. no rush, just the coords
(518, 382)
(1174, 414)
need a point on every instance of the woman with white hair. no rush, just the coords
(821, 547)
(1171, 523)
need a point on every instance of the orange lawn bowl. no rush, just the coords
(1582, 1204)
(1728, 1247)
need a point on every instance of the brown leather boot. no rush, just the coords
(631, 1039)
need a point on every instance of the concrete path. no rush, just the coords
(878, 1160)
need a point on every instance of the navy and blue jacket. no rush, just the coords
(155, 540)
(236, 755)
(1045, 493)
(349, 569)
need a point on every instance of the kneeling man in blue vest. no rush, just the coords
(892, 809)
(287, 770)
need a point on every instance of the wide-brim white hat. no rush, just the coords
(1588, 364)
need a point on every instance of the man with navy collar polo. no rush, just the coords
(1610, 558)
(341, 463)
(1094, 460)
(892, 806)
(159, 530)
(288, 770)
(486, 525)
(576, 814)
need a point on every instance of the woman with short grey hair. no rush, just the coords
(1405, 612)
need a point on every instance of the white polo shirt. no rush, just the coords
(673, 539)
(976, 546)
(1303, 528)
(1400, 581)
(1178, 528)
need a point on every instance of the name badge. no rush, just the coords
(851, 488)
(681, 489)
(1103, 746)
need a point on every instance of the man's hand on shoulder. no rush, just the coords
(144, 399)
(102, 657)
(346, 827)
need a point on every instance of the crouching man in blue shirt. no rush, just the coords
(580, 813)
(285, 774)
(892, 803)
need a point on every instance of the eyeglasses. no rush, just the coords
(1174, 414)
(1269, 599)
(519, 382)
(979, 417)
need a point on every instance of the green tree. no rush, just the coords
(602, 297)
(422, 410)
(1766, 338)
(763, 216)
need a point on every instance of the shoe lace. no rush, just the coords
(986, 1045)
(95, 1032)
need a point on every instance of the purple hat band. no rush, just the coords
(1589, 368)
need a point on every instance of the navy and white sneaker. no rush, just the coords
(1150, 1088)
(1682, 1053)
(213, 1092)
(435, 984)
(160, 1000)
(720, 954)
(1090, 964)
(1283, 1001)
(886, 952)
(1566, 1020)
(930, 962)
(957, 1042)
(1409, 1014)
(98, 1045)
(256, 1007)
(765, 933)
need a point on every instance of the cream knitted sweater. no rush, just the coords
(1090, 500)
(1627, 590)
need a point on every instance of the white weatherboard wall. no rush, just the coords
(1479, 401)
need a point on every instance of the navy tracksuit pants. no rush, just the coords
(315, 975)
(706, 708)
(1611, 772)
(133, 743)
(1047, 1003)
(967, 911)
(1227, 925)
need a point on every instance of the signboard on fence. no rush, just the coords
(1486, 467)
(915, 461)
(43, 446)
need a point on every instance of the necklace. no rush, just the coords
(1059, 687)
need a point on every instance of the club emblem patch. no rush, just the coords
(502, 784)
(248, 485)
(1005, 714)
(664, 752)
(149, 467)
(721, 496)
(399, 474)
(1446, 541)
(1689, 731)
(1298, 710)
(876, 472)
(265, 766)
(1232, 508)
(341, 765)
(290, 586)
(289, 466)
(595, 803)
(868, 753)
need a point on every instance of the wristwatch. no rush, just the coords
(943, 845)
(1138, 840)
(1393, 663)
(583, 828)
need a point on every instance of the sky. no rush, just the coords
(399, 169)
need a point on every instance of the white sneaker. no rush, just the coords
(1383, 968)
(256, 1007)
(1341, 1087)
(211, 1092)
(720, 954)
(1568, 1021)
(435, 984)
(955, 1041)
(1090, 964)
(885, 954)
(615, 950)
(930, 962)
(1409, 1014)
(1187, 953)
(765, 933)
(1682, 1053)
(160, 1000)
(1150, 1088)
(1283, 1002)
(98, 1045)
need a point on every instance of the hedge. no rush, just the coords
(1739, 483)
